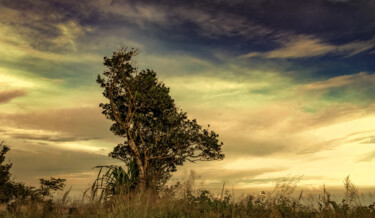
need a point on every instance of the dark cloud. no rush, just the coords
(221, 18)
(48, 137)
(79, 123)
(45, 26)
(238, 27)
(46, 160)
(319, 17)
(7, 96)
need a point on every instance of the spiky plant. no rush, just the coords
(113, 180)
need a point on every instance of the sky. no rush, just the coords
(288, 85)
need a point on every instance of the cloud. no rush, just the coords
(39, 30)
(51, 138)
(367, 157)
(369, 140)
(213, 173)
(223, 24)
(28, 32)
(7, 96)
(356, 47)
(233, 176)
(305, 46)
(283, 128)
(68, 32)
(19, 44)
(205, 22)
(135, 12)
(79, 123)
(301, 46)
(338, 1)
(32, 160)
(45, 160)
(9, 81)
(340, 81)
(357, 88)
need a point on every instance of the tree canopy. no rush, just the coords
(158, 136)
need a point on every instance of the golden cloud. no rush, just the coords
(7, 96)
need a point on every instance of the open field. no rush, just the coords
(183, 200)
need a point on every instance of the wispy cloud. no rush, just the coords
(223, 24)
(340, 81)
(134, 12)
(205, 22)
(80, 122)
(48, 138)
(29, 32)
(7, 96)
(369, 156)
(357, 88)
(305, 46)
(19, 42)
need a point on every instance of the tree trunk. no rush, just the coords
(142, 183)
(141, 166)
(142, 174)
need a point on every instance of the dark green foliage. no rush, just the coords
(16, 194)
(4, 168)
(5, 185)
(157, 135)
(10, 190)
(47, 187)
(113, 181)
(125, 180)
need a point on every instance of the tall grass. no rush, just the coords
(184, 200)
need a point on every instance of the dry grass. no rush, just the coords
(181, 200)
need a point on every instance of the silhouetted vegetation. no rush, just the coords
(183, 200)
(16, 194)
(111, 181)
(157, 135)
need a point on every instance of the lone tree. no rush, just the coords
(158, 135)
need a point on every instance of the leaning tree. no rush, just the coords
(158, 136)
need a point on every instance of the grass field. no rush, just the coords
(182, 200)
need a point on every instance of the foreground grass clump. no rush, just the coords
(181, 200)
